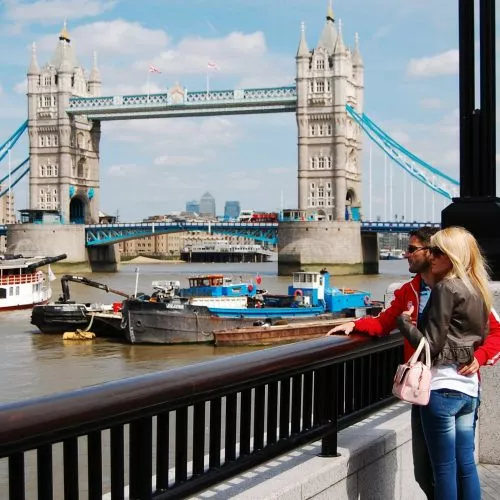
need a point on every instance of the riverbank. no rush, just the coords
(141, 259)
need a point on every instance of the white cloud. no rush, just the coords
(179, 160)
(21, 87)
(54, 11)
(445, 63)
(123, 170)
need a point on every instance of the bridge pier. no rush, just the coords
(336, 245)
(104, 259)
(49, 239)
(55, 239)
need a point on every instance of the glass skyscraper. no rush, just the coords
(232, 210)
(207, 205)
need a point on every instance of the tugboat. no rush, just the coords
(22, 283)
(179, 321)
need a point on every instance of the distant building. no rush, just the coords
(7, 214)
(207, 205)
(232, 210)
(193, 207)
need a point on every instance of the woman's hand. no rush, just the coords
(470, 369)
(407, 315)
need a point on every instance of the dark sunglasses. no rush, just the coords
(413, 248)
(436, 252)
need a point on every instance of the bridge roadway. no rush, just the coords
(106, 234)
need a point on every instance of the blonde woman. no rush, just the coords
(455, 323)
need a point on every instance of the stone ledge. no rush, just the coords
(375, 462)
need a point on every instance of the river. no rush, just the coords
(34, 364)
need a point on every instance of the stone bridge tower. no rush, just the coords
(64, 150)
(329, 142)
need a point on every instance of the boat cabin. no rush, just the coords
(216, 285)
(309, 286)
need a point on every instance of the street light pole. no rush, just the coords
(477, 208)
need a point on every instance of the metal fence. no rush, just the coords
(174, 433)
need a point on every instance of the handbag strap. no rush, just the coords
(422, 344)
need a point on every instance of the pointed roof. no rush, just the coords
(303, 50)
(339, 44)
(64, 50)
(95, 74)
(357, 60)
(329, 33)
(33, 69)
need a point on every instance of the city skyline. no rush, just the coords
(151, 166)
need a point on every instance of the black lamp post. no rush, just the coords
(477, 208)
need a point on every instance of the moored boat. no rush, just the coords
(269, 334)
(178, 321)
(68, 315)
(22, 283)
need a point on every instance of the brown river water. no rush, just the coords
(34, 364)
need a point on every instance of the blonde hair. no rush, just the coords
(467, 260)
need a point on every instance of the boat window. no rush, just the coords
(308, 278)
(11, 291)
(17, 290)
(321, 280)
(3, 293)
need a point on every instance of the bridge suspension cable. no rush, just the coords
(13, 184)
(11, 141)
(444, 185)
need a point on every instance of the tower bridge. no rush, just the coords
(65, 110)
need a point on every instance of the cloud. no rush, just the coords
(445, 63)
(111, 38)
(179, 160)
(53, 11)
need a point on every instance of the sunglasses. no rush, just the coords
(436, 252)
(413, 248)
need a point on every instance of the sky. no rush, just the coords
(410, 52)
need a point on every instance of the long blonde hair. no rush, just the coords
(467, 260)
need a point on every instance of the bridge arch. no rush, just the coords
(351, 205)
(78, 209)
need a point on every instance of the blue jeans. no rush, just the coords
(449, 423)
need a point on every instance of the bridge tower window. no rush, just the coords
(328, 86)
(320, 64)
(47, 80)
(329, 129)
(311, 86)
(320, 129)
(320, 86)
(321, 162)
(329, 162)
(313, 129)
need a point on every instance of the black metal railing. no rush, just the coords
(194, 426)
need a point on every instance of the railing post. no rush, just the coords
(141, 464)
(328, 379)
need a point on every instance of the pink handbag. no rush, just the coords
(412, 382)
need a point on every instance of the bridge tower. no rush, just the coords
(329, 142)
(64, 150)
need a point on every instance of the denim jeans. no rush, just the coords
(422, 467)
(448, 423)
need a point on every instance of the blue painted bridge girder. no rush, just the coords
(107, 234)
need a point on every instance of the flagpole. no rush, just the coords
(208, 83)
(148, 85)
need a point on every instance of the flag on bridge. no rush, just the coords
(212, 65)
(154, 69)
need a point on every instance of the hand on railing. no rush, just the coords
(345, 329)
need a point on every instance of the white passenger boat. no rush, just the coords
(22, 283)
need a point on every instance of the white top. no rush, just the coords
(447, 377)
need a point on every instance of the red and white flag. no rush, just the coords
(154, 69)
(212, 65)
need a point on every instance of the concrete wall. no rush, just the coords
(375, 463)
(48, 239)
(311, 246)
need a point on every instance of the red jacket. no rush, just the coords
(408, 295)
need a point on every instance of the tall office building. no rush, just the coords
(232, 210)
(207, 205)
(192, 207)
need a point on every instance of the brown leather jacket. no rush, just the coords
(454, 321)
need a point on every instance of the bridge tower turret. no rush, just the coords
(64, 151)
(329, 143)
